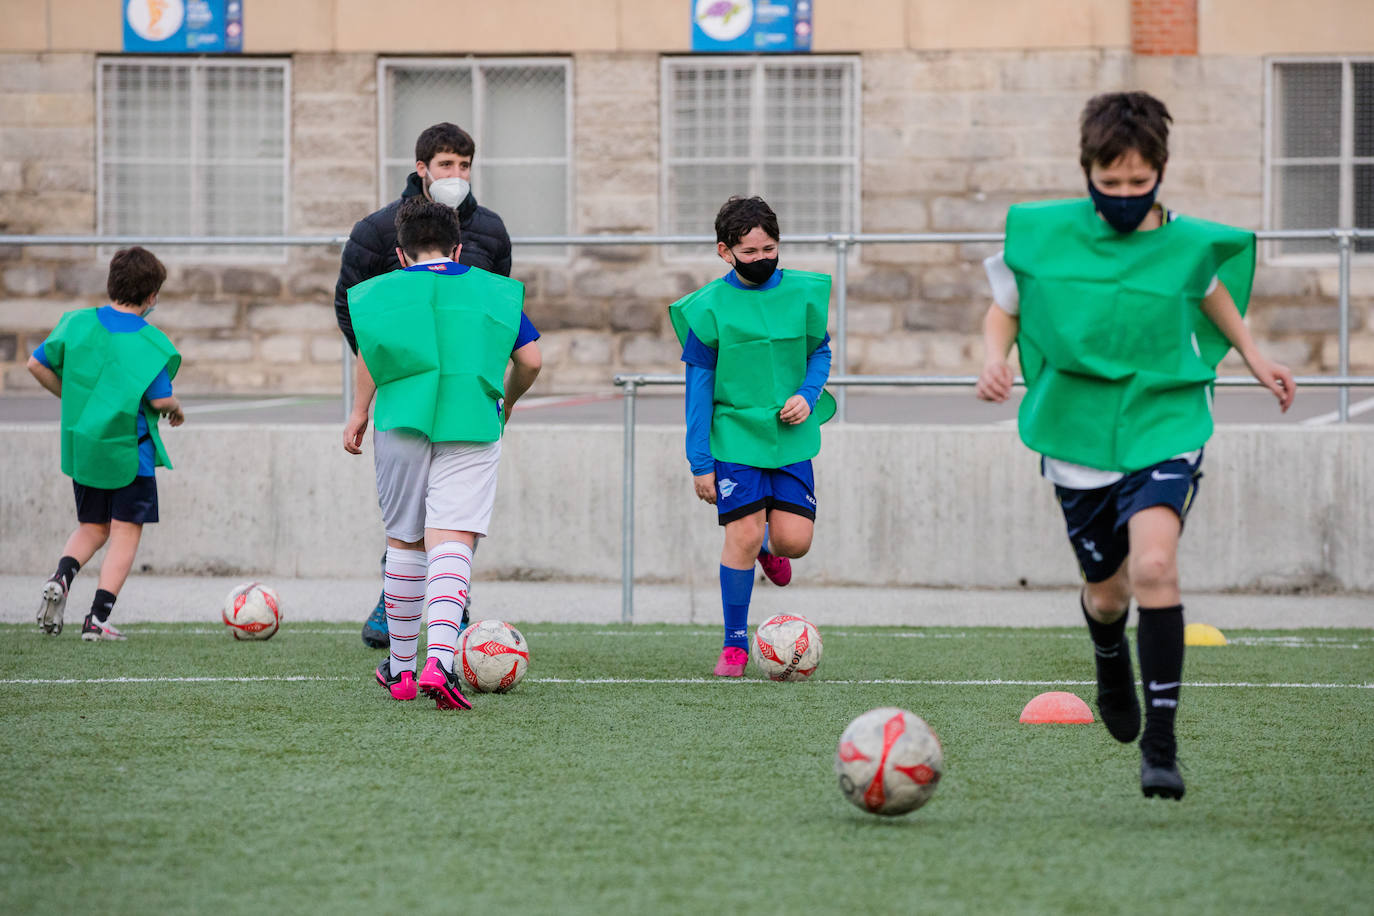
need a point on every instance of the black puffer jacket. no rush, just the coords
(371, 248)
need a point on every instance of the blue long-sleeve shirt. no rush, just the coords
(701, 385)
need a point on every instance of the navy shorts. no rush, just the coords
(135, 503)
(1097, 518)
(742, 489)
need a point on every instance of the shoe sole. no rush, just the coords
(102, 637)
(1162, 789)
(444, 698)
(50, 611)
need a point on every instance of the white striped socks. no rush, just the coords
(450, 568)
(403, 590)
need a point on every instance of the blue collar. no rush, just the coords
(733, 279)
(443, 268)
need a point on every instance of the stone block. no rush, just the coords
(48, 73)
(588, 348)
(961, 316)
(650, 353)
(331, 216)
(19, 143)
(1033, 178)
(1238, 71)
(1078, 71)
(929, 71)
(342, 73)
(576, 313)
(616, 214)
(11, 176)
(950, 352)
(1025, 108)
(244, 281)
(1051, 141)
(199, 282)
(54, 212)
(316, 145)
(327, 348)
(895, 213)
(1287, 282)
(977, 213)
(1361, 282)
(1361, 358)
(957, 281)
(971, 143)
(9, 347)
(898, 352)
(883, 177)
(300, 316)
(314, 284)
(282, 348)
(637, 315)
(871, 319)
(29, 279)
(58, 109)
(912, 253)
(82, 279)
(35, 314)
(880, 285)
(329, 108)
(18, 378)
(195, 349)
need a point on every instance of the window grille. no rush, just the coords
(519, 113)
(1320, 150)
(194, 147)
(784, 128)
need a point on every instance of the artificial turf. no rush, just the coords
(618, 777)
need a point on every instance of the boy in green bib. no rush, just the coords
(113, 371)
(1120, 311)
(434, 340)
(757, 354)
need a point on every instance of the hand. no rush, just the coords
(175, 415)
(1276, 377)
(353, 433)
(795, 410)
(994, 383)
(705, 485)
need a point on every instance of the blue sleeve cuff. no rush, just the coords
(696, 353)
(528, 333)
(817, 372)
(42, 357)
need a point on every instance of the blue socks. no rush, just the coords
(736, 587)
(764, 549)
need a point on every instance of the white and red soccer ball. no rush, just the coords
(492, 656)
(889, 761)
(252, 611)
(787, 648)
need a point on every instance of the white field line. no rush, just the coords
(671, 681)
(1324, 419)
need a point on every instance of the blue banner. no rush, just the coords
(751, 26)
(183, 26)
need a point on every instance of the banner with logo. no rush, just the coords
(751, 26)
(183, 26)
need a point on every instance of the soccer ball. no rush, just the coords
(889, 761)
(494, 656)
(787, 648)
(252, 611)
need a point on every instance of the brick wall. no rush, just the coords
(949, 141)
(1164, 27)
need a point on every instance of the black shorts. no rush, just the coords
(135, 503)
(1097, 519)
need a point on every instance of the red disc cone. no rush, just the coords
(1056, 706)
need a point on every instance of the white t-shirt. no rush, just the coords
(1062, 473)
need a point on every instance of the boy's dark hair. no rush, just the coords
(423, 225)
(443, 138)
(135, 274)
(1114, 123)
(740, 215)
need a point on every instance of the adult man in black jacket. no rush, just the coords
(442, 153)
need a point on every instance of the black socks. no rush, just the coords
(66, 571)
(1160, 644)
(103, 604)
(1116, 697)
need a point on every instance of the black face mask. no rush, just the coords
(756, 272)
(1123, 214)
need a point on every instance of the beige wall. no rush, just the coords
(540, 26)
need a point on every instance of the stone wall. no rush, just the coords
(949, 140)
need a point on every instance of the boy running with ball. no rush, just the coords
(1121, 310)
(757, 354)
(434, 340)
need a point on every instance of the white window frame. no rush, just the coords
(1346, 159)
(756, 157)
(181, 254)
(542, 253)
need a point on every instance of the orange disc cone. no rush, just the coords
(1056, 706)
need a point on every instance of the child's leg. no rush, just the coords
(403, 596)
(1154, 534)
(446, 589)
(789, 535)
(743, 538)
(1105, 605)
(119, 559)
(85, 541)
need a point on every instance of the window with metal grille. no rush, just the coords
(519, 113)
(1320, 150)
(194, 147)
(784, 128)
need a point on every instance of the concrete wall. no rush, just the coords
(1280, 508)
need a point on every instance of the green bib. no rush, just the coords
(763, 338)
(1116, 351)
(437, 346)
(104, 377)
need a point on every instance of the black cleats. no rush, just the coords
(1117, 702)
(1160, 778)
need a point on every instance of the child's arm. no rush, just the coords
(170, 408)
(800, 405)
(1221, 309)
(363, 391)
(999, 333)
(700, 403)
(524, 369)
(46, 377)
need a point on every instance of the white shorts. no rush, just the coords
(423, 484)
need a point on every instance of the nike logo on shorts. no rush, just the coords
(1155, 475)
(1156, 686)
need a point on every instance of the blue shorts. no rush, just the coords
(742, 489)
(1097, 518)
(135, 503)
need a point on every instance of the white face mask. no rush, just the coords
(449, 191)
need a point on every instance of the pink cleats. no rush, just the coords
(442, 687)
(731, 662)
(401, 687)
(777, 569)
